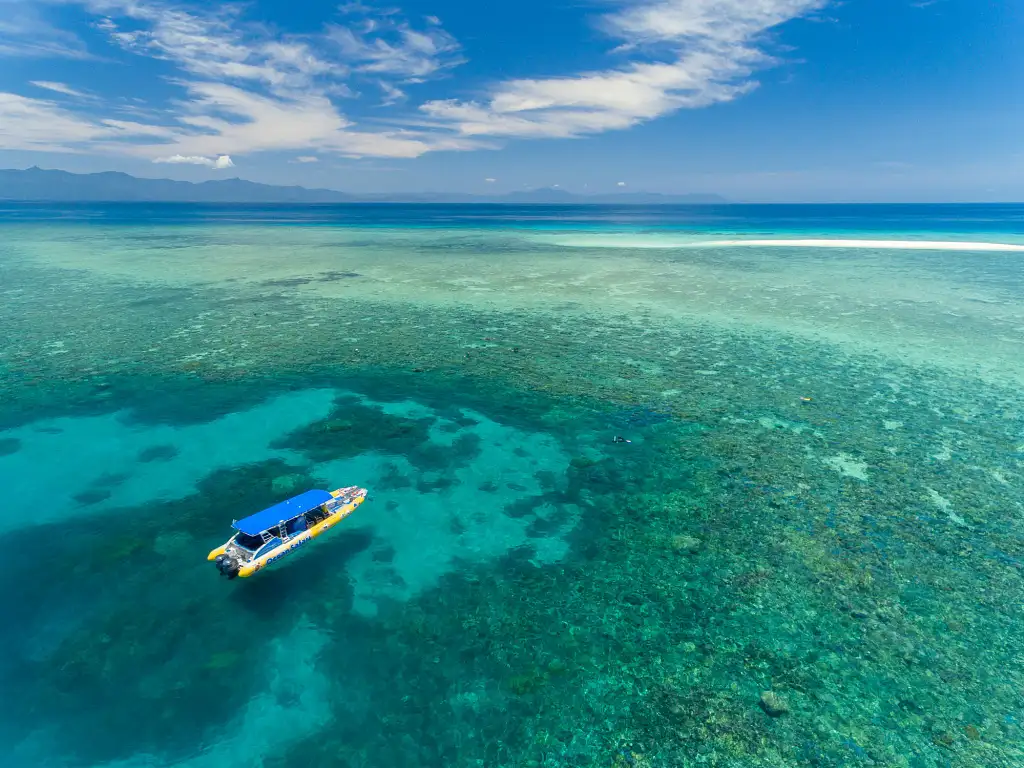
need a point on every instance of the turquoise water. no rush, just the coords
(811, 552)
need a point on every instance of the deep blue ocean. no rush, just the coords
(955, 219)
(865, 217)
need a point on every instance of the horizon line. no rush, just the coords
(483, 196)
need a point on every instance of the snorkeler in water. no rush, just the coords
(618, 439)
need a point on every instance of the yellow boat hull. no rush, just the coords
(295, 542)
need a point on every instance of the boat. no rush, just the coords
(277, 531)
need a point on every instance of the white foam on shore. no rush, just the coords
(903, 245)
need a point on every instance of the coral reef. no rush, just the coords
(806, 555)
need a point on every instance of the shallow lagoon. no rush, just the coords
(821, 499)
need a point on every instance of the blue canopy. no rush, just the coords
(256, 524)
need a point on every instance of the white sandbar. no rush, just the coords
(907, 245)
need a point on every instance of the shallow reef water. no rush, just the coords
(810, 553)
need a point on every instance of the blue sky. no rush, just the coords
(754, 99)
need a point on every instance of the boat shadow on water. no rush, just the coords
(321, 568)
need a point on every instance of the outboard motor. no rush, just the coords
(227, 565)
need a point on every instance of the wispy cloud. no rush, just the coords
(216, 45)
(217, 163)
(245, 88)
(26, 32)
(49, 85)
(683, 54)
(307, 159)
(392, 94)
(389, 46)
(46, 126)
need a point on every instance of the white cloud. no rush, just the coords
(44, 126)
(183, 160)
(724, 21)
(387, 46)
(621, 184)
(490, 181)
(307, 159)
(708, 50)
(225, 116)
(218, 163)
(25, 32)
(215, 46)
(392, 95)
(57, 88)
(244, 87)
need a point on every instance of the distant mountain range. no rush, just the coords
(111, 186)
